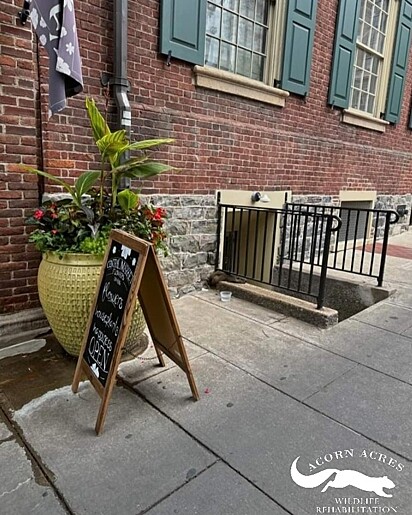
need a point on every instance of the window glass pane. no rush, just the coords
(355, 99)
(376, 17)
(384, 22)
(374, 39)
(244, 62)
(257, 67)
(363, 101)
(366, 34)
(371, 103)
(227, 57)
(247, 8)
(364, 82)
(261, 11)
(368, 12)
(367, 61)
(358, 78)
(231, 4)
(380, 43)
(212, 52)
(375, 65)
(372, 85)
(229, 27)
(259, 39)
(245, 33)
(213, 17)
(373, 24)
(235, 25)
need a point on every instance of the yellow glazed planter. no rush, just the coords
(67, 285)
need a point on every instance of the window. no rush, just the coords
(370, 60)
(236, 36)
(265, 42)
(373, 50)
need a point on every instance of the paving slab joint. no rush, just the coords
(42, 475)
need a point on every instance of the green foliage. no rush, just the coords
(83, 222)
(92, 245)
(128, 200)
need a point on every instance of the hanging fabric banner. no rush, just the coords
(55, 25)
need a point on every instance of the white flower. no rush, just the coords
(70, 48)
(43, 40)
(63, 32)
(62, 66)
(126, 252)
(34, 17)
(42, 22)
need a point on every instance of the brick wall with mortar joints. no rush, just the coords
(221, 141)
(19, 143)
(226, 141)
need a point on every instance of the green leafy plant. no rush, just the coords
(96, 203)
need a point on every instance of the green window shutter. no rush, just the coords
(297, 55)
(344, 53)
(183, 29)
(399, 63)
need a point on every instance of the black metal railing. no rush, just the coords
(277, 247)
(360, 244)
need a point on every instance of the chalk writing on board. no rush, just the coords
(110, 308)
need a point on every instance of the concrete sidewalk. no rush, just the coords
(272, 389)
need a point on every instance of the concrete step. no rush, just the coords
(290, 306)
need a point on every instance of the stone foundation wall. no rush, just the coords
(397, 203)
(403, 203)
(192, 228)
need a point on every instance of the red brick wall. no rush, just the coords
(19, 143)
(221, 141)
(224, 141)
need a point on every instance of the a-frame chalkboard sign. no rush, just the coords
(130, 270)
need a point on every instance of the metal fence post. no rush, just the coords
(388, 222)
(325, 259)
(219, 221)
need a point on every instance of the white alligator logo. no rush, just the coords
(342, 479)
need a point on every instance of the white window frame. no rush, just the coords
(266, 90)
(363, 118)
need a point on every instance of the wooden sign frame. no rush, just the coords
(139, 270)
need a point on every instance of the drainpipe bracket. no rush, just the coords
(109, 80)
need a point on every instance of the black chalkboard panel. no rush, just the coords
(106, 324)
(129, 263)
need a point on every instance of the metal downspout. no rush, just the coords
(120, 82)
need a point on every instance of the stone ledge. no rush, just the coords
(290, 306)
(22, 326)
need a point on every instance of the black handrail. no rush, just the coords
(263, 244)
(355, 252)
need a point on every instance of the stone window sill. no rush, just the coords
(363, 120)
(219, 80)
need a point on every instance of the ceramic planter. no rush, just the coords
(67, 286)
